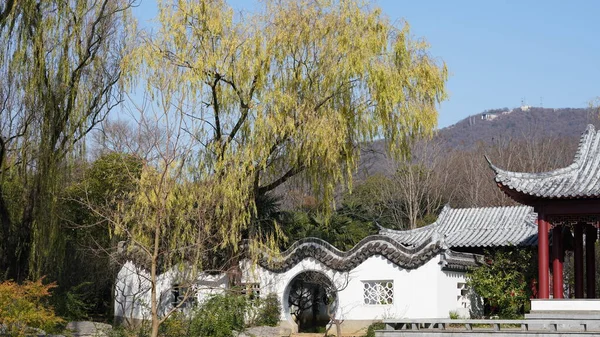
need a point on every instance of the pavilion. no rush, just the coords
(567, 202)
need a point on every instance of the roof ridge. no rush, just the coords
(385, 246)
(446, 212)
(490, 207)
(586, 137)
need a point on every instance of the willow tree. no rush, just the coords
(290, 91)
(58, 73)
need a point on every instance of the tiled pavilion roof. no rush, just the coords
(581, 179)
(475, 227)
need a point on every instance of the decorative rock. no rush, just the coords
(89, 329)
(263, 331)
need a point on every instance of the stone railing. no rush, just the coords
(495, 325)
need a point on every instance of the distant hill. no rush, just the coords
(491, 127)
(502, 124)
(497, 125)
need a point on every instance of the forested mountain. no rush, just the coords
(451, 168)
(526, 122)
(495, 126)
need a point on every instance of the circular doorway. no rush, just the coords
(312, 301)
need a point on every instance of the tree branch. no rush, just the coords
(290, 173)
(218, 132)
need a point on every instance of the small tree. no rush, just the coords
(23, 306)
(164, 215)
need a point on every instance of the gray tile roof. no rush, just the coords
(475, 227)
(581, 179)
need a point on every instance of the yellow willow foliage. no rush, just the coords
(288, 91)
(166, 209)
(59, 66)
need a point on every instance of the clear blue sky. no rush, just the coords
(499, 52)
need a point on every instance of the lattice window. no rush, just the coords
(378, 292)
(183, 297)
(252, 290)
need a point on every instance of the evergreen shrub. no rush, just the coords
(219, 316)
(375, 326)
(270, 311)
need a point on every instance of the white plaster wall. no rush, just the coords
(425, 292)
(133, 296)
(449, 295)
(414, 291)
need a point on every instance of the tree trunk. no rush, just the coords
(154, 332)
(154, 301)
(153, 278)
(6, 236)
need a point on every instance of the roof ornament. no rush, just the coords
(492, 166)
(381, 228)
(439, 239)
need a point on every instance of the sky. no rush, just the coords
(499, 53)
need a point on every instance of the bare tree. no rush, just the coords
(418, 188)
(473, 178)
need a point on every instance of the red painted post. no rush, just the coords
(578, 257)
(590, 260)
(543, 258)
(557, 263)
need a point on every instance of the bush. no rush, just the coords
(270, 311)
(24, 306)
(219, 316)
(176, 325)
(504, 280)
(73, 305)
(375, 326)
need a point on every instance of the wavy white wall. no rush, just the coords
(425, 292)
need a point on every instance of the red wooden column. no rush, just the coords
(557, 262)
(578, 252)
(543, 258)
(590, 260)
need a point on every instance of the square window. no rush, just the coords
(378, 292)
